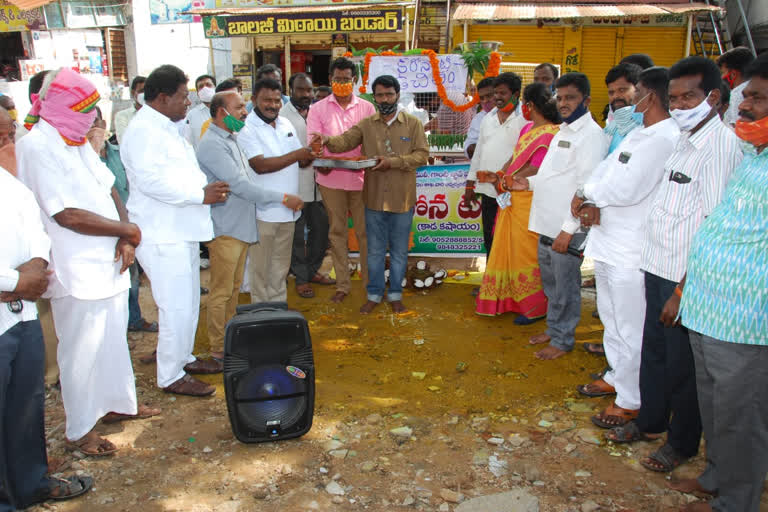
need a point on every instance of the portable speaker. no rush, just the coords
(269, 373)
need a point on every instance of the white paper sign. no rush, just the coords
(414, 72)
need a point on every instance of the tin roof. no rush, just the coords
(467, 12)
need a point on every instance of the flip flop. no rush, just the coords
(595, 348)
(144, 412)
(619, 415)
(667, 460)
(305, 291)
(629, 433)
(70, 487)
(105, 447)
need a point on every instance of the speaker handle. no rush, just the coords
(261, 306)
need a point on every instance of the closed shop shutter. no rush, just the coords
(665, 45)
(597, 57)
(118, 64)
(524, 43)
(432, 26)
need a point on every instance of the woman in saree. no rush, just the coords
(512, 280)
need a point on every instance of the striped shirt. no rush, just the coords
(726, 291)
(694, 182)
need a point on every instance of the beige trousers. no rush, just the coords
(227, 257)
(270, 261)
(337, 203)
(51, 341)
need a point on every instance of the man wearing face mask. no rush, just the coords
(724, 307)
(92, 245)
(621, 81)
(733, 65)
(275, 153)
(573, 153)
(341, 189)
(169, 200)
(6, 102)
(205, 85)
(692, 185)
(499, 132)
(124, 117)
(310, 238)
(398, 143)
(614, 203)
(485, 92)
(234, 222)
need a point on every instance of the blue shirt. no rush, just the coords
(726, 291)
(114, 164)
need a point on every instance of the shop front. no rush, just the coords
(586, 38)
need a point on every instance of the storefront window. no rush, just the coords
(84, 14)
(109, 13)
(53, 17)
(79, 14)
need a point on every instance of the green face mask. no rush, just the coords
(232, 123)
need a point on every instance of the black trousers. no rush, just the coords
(23, 459)
(490, 208)
(667, 375)
(307, 256)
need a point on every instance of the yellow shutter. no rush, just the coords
(665, 45)
(597, 57)
(524, 43)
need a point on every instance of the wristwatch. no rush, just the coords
(580, 193)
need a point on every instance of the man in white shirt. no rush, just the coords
(169, 201)
(124, 117)
(485, 92)
(205, 86)
(310, 237)
(733, 65)
(614, 203)
(499, 132)
(573, 153)
(23, 279)
(92, 246)
(275, 152)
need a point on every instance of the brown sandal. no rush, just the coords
(142, 412)
(100, 447)
(614, 416)
(596, 388)
(305, 291)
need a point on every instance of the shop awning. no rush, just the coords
(265, 11)
(468, 12)
(29, 4)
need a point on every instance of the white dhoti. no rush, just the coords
(174, 271)
(94, 362)
(621, 304)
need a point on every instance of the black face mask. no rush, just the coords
(387, 108)
(263, 117)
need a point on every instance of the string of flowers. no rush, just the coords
(494, 66)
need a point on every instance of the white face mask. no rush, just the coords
(687, 120)
(140, 98)
(206, 94)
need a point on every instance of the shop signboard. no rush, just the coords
(244, 72)
(369, 20)
(170, 11)
(414, 72)
(12, 19)
(443, 222)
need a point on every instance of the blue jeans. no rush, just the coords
(387, 229)
(134, 310)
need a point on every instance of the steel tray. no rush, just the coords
(354, 165)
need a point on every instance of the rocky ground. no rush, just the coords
(435, 410)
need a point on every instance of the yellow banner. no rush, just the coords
(14, 20)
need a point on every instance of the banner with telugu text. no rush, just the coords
(443, 222)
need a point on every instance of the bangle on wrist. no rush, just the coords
(285, 199)
(679, 291)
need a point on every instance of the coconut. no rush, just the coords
(418, 283)
(440, 274)
(405, 282)
(428, 282)
(421, 265)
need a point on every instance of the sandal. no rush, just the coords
(143, 412)
(663, 460)
(629, 433)
(322, 279)
(101, 447)
(67, 488)
(614, 416)
(305, 291)
(596, 389)
(595, 348)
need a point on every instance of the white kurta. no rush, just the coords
(89, 294)
(167, 203)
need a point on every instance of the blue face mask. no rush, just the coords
(624, 121)
(576, 114)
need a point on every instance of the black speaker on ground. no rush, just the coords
(269, 373)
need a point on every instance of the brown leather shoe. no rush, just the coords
(204, 366)
(188, 385)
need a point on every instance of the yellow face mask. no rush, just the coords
(14, 115)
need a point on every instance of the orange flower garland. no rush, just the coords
(494, 66)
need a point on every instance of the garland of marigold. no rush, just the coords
(494, 65)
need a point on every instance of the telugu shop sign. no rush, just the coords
(369, 20)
